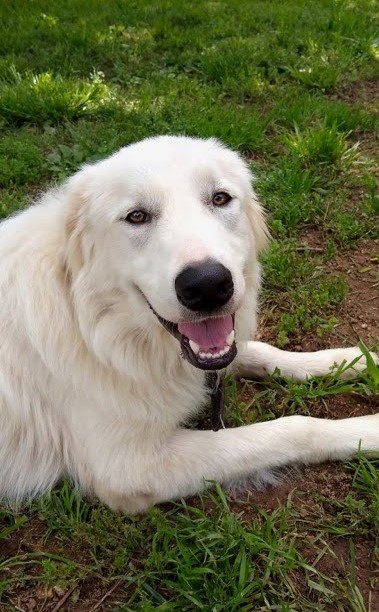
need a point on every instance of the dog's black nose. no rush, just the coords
(205, 286)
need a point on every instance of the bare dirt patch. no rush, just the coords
(359, 315)
(329, 479)
(344, 406)
(362, 93)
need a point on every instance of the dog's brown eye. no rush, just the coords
(137, 216)
(221, 198)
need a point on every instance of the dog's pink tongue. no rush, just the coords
(208, 334)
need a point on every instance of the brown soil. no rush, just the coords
(363, 93)
(359, 316)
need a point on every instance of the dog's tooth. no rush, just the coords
(230, 338)
(214, 355)
(195, 347)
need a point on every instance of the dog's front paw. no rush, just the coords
(351, 361)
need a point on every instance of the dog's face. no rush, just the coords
(174, 219)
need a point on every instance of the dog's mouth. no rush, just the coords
(208, 344)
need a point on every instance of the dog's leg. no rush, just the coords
(257, 359)
(132, 479)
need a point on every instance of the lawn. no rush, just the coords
(293, 86)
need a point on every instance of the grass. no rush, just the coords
(290, 85)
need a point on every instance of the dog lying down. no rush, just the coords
(120, 292)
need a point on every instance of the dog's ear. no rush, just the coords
(256, 215)
(76, 196)
(257, 220)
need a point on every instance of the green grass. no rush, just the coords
(188, 557)
(288, 84)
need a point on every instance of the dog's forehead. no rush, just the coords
(163, 171)
(177, 162)
(170, 148)
(152, 159)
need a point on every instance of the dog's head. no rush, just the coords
(176, 221)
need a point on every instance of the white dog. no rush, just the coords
(119, 291)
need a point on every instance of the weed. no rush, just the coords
(324, 146)
(37, 98)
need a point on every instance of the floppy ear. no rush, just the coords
(257, 220)
(76, 205)
(256, 215)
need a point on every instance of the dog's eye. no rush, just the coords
(137, 216)
(221, 198)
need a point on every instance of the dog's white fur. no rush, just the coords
(91, 385)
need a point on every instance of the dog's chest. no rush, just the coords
(179, 397)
